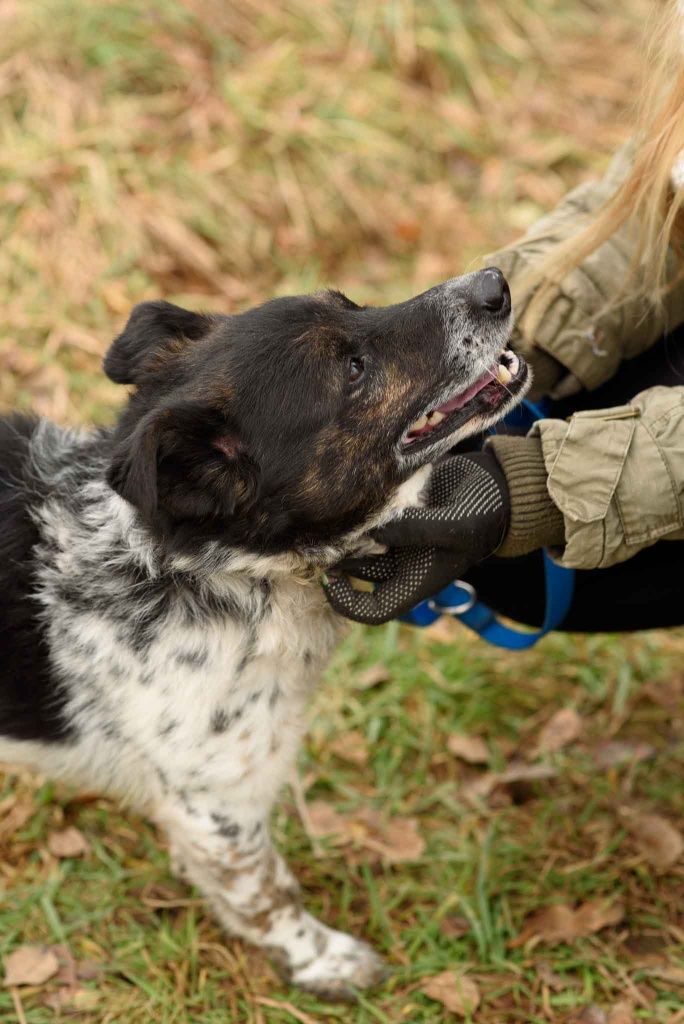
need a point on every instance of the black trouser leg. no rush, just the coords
(646, 591)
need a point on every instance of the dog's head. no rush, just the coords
(292, 425)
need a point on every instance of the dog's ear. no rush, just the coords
(152, 328)
(132, 472)
(186, 463)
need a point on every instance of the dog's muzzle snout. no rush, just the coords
(490, 292)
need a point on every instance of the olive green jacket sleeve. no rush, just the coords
(611, 484)
(572, 324)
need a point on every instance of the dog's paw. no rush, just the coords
(343, 966)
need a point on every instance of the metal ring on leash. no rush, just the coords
(456, 609)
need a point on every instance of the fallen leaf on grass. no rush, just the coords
(17, 817)
(592, 1014)
(456, 992)
(668, 973)
(562, 728)
(561, 923)
(659, 842)
(616, 752)
(30, 965)
(647, 950)
(621, 1013)
(71, 996)
(372, 676)
(666, 693)
(517, 771)
(352, 747)
(394, 840)
(324, 820)
(472, 749)
(89, 970)
(556, 982)
(68, 843)
(398, 841)
(79, 999)
(454, 926)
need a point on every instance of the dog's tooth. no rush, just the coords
(513, 364)
(503, 376)
(419, 424)
(436, 418)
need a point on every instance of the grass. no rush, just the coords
(492, 862)
(217, 154)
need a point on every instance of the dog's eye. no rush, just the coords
(356, 369)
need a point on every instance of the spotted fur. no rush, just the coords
(162, 623)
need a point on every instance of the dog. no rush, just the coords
(162, 619)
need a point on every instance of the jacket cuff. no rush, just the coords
(535, 521)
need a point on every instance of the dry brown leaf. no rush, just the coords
(669, 973)
(647, 950)
(561, 923)
(660, 842)
(68, 843)
(454, 926)
(393, 840)
(592, 1014)
(78, 999)
(621, 1013)
(372, 676)
(616, 752)
(472, 749)
(351, 746)
(561, 729)
(89, 970)
(324, 820)
(455, 991)
(667, 693)
(479, 788)
(19, 814)
(517, 771)
(30, 965)
(556, 982)
(399, 841)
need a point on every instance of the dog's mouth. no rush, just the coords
(493, 393)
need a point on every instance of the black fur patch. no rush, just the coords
(31, 699)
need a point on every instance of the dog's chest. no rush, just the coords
(207, 703)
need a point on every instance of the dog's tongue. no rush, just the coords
(460, 400)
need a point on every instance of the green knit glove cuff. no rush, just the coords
(535, 521)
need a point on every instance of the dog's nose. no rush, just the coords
(491, 291)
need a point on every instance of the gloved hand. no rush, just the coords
(464, 519)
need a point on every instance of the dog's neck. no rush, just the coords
(218, 565)
(111, 529)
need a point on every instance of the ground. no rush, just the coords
(217, 154)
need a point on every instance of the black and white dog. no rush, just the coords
(162, 622)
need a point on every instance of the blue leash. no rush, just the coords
(460, 599)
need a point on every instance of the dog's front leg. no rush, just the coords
(226, 851)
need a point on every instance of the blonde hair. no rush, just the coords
(647, 200)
